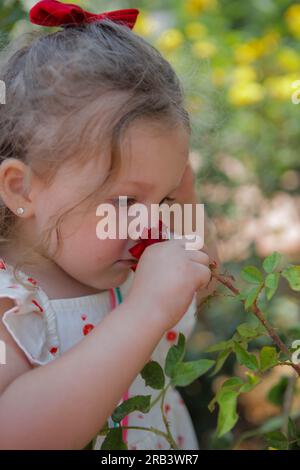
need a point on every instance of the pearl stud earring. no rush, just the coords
(20, 210)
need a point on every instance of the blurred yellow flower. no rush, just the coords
(280, 87)
(269, 41)
(256, 48)
(245, 53)
(195, 30)
(170, 40)
(204, 49)
(292, 18)
(244, 73)
(288, 59)
(145, 25)
(197, 6)
(218, 76)
(245, 93)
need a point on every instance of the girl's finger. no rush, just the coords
(192, 242)
(199, 257)
(203, 273)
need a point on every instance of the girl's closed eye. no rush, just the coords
(130, 201)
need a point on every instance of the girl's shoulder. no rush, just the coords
(30, 322)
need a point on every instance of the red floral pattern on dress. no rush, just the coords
(2, 264)
(171, 335)
(38, 305)
(54, 349)
(83, 317)
(87, 328)
(33, 281)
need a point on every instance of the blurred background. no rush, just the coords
(238, 62)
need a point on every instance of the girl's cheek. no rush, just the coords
(110, 248)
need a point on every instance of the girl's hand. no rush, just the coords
(186, 194)
(167, 277)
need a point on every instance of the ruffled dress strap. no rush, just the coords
(31, 322)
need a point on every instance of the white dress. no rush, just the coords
(44, 329)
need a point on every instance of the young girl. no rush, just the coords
(92, 112)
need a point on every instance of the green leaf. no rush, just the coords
(277, 440)
(252, 274)
(153, 375)
(175, 355)
(252, 295)
(222, 356)
(227, 416)
(245, 358)
(276, 393)
(104, 430)
(234, 384)
(271, 283)
(241, 296)
(186, 372)
(292, 430)
(137, 403)
(246, 330)
(268, 357)
(292, 275)
(114, 440)
(219, 346)
(262, 302)
(253, 380)
(271, 262)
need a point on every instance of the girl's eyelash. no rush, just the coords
(131, 201)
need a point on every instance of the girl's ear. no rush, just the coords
(15, 189)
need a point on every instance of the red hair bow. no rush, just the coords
(54, 13)
(138, 249)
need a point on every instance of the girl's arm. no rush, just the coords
(65, 403)
(186, 194)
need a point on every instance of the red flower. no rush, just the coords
(54, 13)
(2, 264)
(138, 249)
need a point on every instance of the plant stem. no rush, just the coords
(171, 440)
(167, 435)
(258, 313)
(159, 395)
